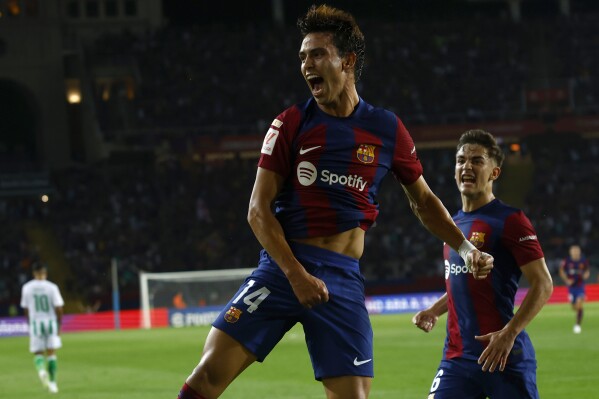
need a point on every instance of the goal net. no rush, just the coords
(207, 290)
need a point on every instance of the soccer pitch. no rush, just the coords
(153, 364)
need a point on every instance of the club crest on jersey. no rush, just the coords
(233, 314)
(478, 239)
(365, 153)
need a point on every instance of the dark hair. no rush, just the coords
(347, 36)
(485, 139)
(38, 266)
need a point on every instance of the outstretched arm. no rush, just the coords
(309, 290)
(434, 216)
(500, 343)
(426, 319)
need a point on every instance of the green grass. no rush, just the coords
(153, 364)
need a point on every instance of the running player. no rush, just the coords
(43, 304)
(487, 353)
(574, 271)
(321, 165)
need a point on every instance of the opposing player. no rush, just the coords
(43, 304)
(321, 164)
(574, 271)
(487, 353)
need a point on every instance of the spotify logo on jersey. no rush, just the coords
(455, 269)
(306, 173)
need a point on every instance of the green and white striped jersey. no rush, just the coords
(41, 297)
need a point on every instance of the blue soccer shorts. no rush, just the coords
(460, 378)
(338, 333)
(574, 293)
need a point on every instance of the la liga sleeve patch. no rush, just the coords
(269, 141)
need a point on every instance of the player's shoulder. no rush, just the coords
(53, 285)
(290, 119)
(28, 284)
(495, 211)
(295, 111)
(506, 210)
(379, 113)
(45, 284)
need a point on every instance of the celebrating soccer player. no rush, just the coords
(43, 304)
(574, 271)
(487, 352)
(321, 164)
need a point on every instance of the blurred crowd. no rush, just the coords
(428, 72)
(171, 212)
(177, 215)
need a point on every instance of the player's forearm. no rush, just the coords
(59, 313)
(563, 276)
(538, 294)
(439, 308)
(435, 218)
(269, 233)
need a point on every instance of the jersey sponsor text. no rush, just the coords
(307, 172)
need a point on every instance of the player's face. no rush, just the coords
(475, 170)
(322, 68)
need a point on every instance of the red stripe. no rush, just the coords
(316, 205)
(365, 170)
(455, 346)
(482, 293)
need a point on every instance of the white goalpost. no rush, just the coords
(202, 288)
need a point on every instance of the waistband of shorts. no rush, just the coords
(323, 257)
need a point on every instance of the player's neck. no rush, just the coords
(344, 105)
(472, 203)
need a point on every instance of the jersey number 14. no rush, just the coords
(259, 295)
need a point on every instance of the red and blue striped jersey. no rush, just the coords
(478, 307)
(333, 166)
(575, 269)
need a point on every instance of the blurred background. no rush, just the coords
(130, 129)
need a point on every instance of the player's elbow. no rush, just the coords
(252, 214)
(546, 288)
(419, 211)
(255, 214)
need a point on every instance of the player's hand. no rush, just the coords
(481, 264)
(425, 320)
(496, 353)
(309, 290)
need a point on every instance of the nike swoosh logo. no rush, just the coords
(305, 150)
(360, 362)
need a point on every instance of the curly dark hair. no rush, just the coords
(485, 139)
(347, 36)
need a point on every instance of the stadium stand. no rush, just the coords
(171, 211)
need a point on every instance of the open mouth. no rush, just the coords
(316, 84)
(468, 179)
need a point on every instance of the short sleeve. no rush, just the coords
(520, 238)
(406, 166)
(58, 301)
(275, 154)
